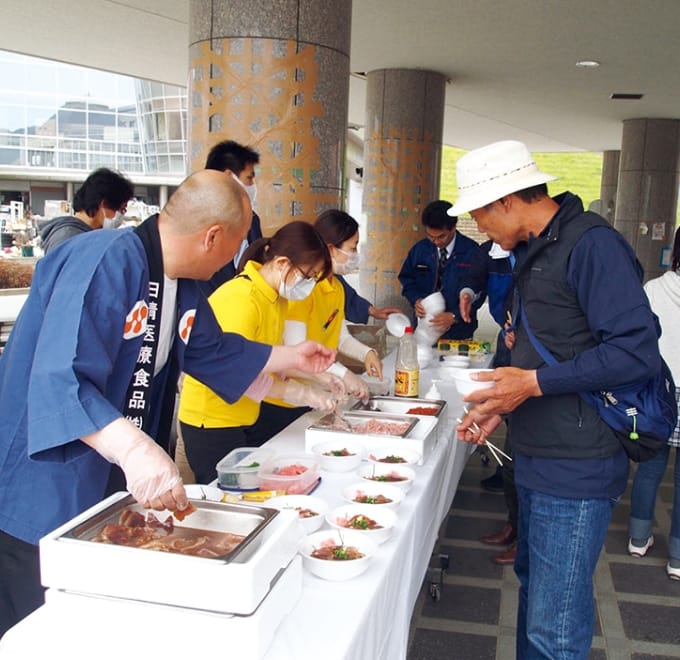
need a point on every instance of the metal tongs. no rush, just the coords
(495, 451)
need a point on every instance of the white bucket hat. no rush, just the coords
(491, 172)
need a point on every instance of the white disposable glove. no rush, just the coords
(356, 385)
(152, 476)
(335, 385)
(298, 394)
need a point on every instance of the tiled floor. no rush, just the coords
(638, 607)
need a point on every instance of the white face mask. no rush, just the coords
(299, 290)
(112, 223)
(351, 265)
(251, 190)
(252, 194)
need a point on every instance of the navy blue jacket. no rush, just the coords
(356, 307)
(586, 304)
(490, 277)
(419, 273)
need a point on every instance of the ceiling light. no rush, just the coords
(587, 64)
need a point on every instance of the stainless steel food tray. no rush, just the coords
(236, 584)
(325, 424)
(244, 520)
(395, 405)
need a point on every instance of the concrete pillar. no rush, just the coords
(647, 197)
(609, 183)
(274, 76)
(402, 162)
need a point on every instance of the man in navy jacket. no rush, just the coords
(420, 274)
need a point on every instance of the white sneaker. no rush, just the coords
(673, 573)
(640, 551)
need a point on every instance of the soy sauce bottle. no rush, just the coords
(406, 370)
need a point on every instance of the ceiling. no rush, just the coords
(510, 63)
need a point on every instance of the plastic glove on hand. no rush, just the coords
(152, 476)
(298, 394)
(356, 386)
(373, 365)
(335, 385)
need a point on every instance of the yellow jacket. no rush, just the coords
(323, 312)
(249, 306)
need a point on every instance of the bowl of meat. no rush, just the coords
(402, 476)
(335, 555)
(381, 496)
(338, 455)
(311, 510)
(394, 456)
(374, 523)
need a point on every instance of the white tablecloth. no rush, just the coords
(365, 618)
(369, 617)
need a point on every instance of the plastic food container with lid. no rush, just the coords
(240, 468)
(294, 473)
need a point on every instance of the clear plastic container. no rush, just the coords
(240, 468)
(294, 474)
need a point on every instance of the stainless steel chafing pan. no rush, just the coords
(357, 418)
(245, 520)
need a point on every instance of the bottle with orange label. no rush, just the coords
(406, 369)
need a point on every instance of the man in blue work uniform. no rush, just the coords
(438, 263)
(110, 320)
(582, 297)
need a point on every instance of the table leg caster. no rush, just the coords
(435, 576)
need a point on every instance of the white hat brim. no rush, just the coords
(485, 193)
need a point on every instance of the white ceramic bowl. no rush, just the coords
(397, 323)
(386, 518)
(464, 383)
(382, 454)
(382, 473)
(373, 489)
(329, 462)
(203, 492)
(305, 503)
(336, 570)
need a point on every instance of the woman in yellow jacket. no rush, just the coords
(321, 317)
(254, 304)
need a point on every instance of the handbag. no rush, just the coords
(643, 415)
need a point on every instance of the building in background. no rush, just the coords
(58, 122)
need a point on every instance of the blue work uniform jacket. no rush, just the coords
(418, 277)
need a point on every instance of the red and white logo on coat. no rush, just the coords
(185, 325)
(136, 320)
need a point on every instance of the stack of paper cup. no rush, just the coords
(433, 304)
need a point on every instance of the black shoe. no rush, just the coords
(494, 483)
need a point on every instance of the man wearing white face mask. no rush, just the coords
(240, 161)
(99, 203)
